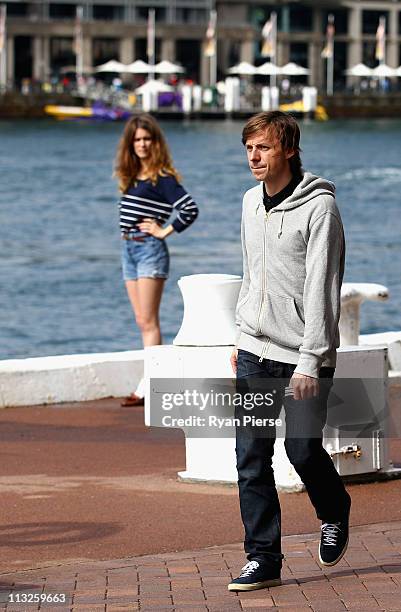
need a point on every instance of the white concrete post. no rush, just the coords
(186, 91)
(352, 296)
(232, 96)
(270, 98)
(197, 97)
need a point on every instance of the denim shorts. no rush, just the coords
(147, 259)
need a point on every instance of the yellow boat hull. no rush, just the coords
(298, 107)
(68, 112)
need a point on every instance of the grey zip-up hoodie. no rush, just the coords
(289, 304)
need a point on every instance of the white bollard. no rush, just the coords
(309, 99)
(352, 296)
(197, 97)
(202, 350)
(275, 97)
(313, 95)
(270, 98)
(149, 101)
(266, 102)
(232, 96)
(186, 98)
(211, 321)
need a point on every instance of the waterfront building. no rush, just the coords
(40, 35)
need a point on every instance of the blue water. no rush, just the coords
(61, 287)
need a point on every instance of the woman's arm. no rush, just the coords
(150, 226)
(175, 194)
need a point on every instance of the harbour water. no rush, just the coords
(62, 291)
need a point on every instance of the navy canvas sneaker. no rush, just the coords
(256, 574)
(333, 542)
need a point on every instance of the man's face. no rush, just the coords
(266, 157)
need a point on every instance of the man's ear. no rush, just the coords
(289, 153)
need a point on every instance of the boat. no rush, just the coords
(297, 107)
(97, 112)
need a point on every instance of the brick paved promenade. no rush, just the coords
(368, 578)
(80, 483)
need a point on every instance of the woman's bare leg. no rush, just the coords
(145, 297)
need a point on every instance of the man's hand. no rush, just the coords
(234, 359)
(304, 387)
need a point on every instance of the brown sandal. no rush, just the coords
(132, 400)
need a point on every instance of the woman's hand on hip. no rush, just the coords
(150, 226)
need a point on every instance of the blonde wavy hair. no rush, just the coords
(127, 163)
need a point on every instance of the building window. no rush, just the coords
(17, 9)
(141, 49)
(370, 21)
(187, 53)
(23, 57)
(368, 53)
(108, 12)
(61, 53)
(190, 15)
(258, 15)
(105, 49)
(234, 53)
(290, 17)
(142, 13)
(340, 64)
(340, 20)
(62, 11)
(301, 18)
(299, 55)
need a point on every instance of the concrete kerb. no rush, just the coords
(69, 378)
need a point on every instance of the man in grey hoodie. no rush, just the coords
(287, 314)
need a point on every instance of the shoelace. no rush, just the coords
(330, 532)
(249, 568)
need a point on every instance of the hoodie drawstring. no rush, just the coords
(280, 231)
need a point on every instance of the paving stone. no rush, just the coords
(363, 603)
(260, 603)
(197, 580)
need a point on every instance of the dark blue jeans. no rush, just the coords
(304, 419)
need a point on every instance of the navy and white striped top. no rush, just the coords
(158, 202)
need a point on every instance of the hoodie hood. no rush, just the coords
(309, 188)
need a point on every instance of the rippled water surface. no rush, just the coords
(60, 270)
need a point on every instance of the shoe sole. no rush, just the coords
(254, 586)
(326, 564)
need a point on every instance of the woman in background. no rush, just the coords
(151, 191)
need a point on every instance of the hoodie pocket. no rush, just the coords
(281, 320)
(248, 310)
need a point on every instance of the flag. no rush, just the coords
(150, 51)
(210, 46)
(269, 34)
(3, 13)
(381, 40)
(328, 51)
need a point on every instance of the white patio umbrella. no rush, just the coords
(111, 66)
(166, 67)
(383, 71)
(138, 67)
(243, 68)
(292, 69)
(268, 68)
(153, 86)
(359, 70)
